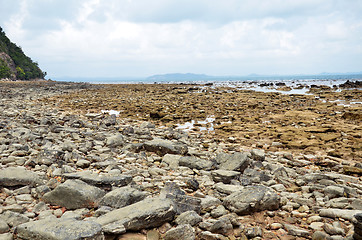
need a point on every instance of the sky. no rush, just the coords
(140, 38)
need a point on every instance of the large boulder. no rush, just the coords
(151, 212)
(233, 162)
(252, 199)
(121, 197)
(59, 229)
(162, 147)
(73, 194)
(18, 176)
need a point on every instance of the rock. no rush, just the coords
(333, 230)
(296, 231)
(276, 226)
(6, 236)
(18, 176)
(100, 180)
(338, 213)
(196, 163)
(357, 223)
(163, 147)
(253, 232)
(228, 188)
(206, 235)
(319, 235)
(147, 213)
(222, 226)
(82, 163)
(334, 191)
(189, 217)
(218, 211)
(59, 229)
(258, 154)
(115, 141)
(13, 219)
(233, 162)
(209, 202)
(316, 226)
(4, 227)
(121, 197)
(73, 194)
(181, 232)
(171, 160)
(224, 176)
(252, 199)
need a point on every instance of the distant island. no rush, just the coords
(14, 64)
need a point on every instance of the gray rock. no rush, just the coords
(209, 202)
(171, 160)
(13, 219)
(296, 231)
(100, 180)
(233, 162)
(4, 227)
(197, 163)
(258, 154)
(251, 199)
(163, 147)
(115, 141)
(59, 229)
(222, 226)
(319, 235)
(144, 214)
(181, 232)
(74, 194)
(333, 230)
(15, 176)
(6, 236)
(338, 213)
(334, 191)
(253, 232)
(189, 217)
(206, 235)
(357, 223)
(218, 211)
(224, 176)
(228, 188)
(82, 163)
(122, 197)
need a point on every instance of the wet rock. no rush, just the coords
(74, 194)
(122, 197)
(141, 215)
(233, 162)
(163, 147)
(252, 199)
(181, 232)
(59, 229)
(18, 176)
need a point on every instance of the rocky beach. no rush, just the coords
(179, 161)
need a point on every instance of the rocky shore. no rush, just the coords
(268, 166)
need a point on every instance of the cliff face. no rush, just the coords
(14, 64)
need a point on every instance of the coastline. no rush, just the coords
(293, 161)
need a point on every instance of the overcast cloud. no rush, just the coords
(115, 38)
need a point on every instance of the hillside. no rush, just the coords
(14, 64)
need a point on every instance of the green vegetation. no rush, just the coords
(26, 69)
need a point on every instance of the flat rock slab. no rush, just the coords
(224, 176)
(163, 147)
(100, 180)
(59, 229)
(122, 197)
(252, 199)
(151, 212)
(233, 162)
(197, 163)
(339, 213)
(73, 194)
(18, 176)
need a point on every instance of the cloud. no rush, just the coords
(113, 38)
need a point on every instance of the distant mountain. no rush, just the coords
(179, 77)
(14, 64)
